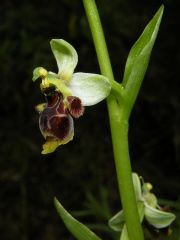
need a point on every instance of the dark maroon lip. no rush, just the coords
(55, 121)
(49, 90)
(53, 99)
(76, 108)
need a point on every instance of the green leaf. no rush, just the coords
(90, 88)
(158, 218)
(139, 56)
(78, 230)
(66, 58)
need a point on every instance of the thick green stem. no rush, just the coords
(119, 128)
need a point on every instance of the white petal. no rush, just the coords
(117, 221)
(66, 57)
(137, 187)
(158, 218)
(90, 88)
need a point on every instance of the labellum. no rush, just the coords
(55, 121)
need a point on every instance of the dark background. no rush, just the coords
(82, 173)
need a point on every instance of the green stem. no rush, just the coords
(119, 127)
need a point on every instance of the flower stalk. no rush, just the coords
(119, 126)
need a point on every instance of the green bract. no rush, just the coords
(79, 230)
(148, 209)
(138, 58)
(66, 93)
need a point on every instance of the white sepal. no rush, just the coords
(90, 88)
(66, 58)
(158, 218)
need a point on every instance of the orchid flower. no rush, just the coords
(66, 95)
(148, 209)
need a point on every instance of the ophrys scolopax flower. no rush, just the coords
(148, 209)
(66, 95)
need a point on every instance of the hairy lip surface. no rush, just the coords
(55, 123)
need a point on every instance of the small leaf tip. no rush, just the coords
(161, 9)
(57, 204)
(55, 201)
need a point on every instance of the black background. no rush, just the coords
(83, 169)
